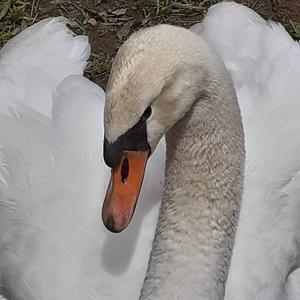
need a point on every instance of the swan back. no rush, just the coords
(264, 62)
(34, 62)
(53, 244)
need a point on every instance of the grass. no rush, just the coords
(296, 29)
(98, 65)
(180, 12)
(12, 19)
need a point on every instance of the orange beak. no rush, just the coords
(123, 190)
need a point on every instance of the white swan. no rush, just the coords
(265, 65)
(193, 101)
(39, 253)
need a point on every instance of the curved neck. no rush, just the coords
(199, 212)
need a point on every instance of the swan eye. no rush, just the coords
(147, 113)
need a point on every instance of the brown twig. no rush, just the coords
(188, 6)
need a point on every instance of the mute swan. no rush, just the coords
(44, 192)
(187, 94)
(174, 73)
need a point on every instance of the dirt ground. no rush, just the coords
(109, 22)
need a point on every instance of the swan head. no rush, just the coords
(155, 78)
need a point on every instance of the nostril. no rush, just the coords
(124, 170)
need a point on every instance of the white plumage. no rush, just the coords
(264, 62)
(53, 179)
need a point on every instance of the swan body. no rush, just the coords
(194, 102)
(52, 244)
(264, 63)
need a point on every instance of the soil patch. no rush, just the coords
(109, 22)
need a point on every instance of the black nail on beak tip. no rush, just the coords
(110, 225)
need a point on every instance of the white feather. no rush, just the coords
(264, 62)
(34, 62)
(53, 244)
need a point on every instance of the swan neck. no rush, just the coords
(198, 217)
